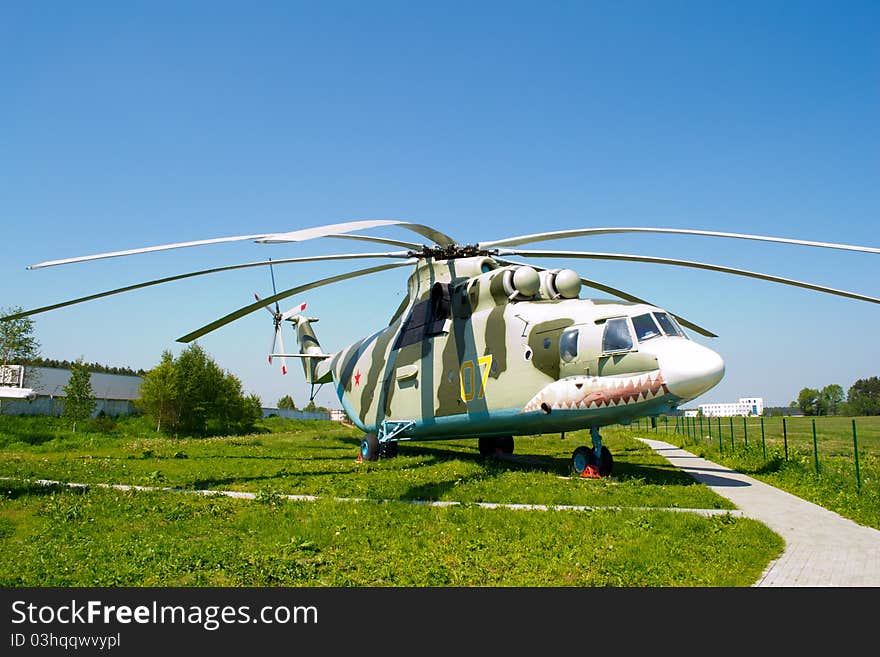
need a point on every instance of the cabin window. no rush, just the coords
(617, 336)
(568, 345)
(669, 325)
(645, 327)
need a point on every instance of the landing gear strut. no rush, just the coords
(383, 443)
(592, 462)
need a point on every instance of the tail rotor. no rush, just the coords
(278, 318)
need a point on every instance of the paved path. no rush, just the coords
(822, 548)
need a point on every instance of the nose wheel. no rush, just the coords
(592, 462)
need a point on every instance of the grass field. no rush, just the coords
(54, 536)
(823, 472)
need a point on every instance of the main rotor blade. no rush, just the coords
(629, 297)
(379, 240)
(580, 232)
(335, 229)
(328, 230)
(696, 265)
(263, 263)
(241, 312)
(148, 249)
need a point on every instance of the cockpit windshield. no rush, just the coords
(616, 336)
(646, 328)
(669, 325)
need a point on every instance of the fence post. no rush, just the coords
(785, 437)
(745, 431)
(815, 448)
(701, 428)
(720, 448)
(856, 452)
(763, 442)
(732, 445)
(666, 423)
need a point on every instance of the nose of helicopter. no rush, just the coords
(689, 369)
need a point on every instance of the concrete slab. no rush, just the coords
(822, 548)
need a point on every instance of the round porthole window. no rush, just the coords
(547, 343)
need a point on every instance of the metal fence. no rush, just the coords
(830, 445)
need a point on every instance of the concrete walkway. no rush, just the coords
(822, 548)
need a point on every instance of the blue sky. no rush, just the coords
(131, 124)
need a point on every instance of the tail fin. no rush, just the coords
(310, 348)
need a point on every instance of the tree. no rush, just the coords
(286, 402)
(864, 397)
(831, 398)
(79, 400)
(807, 401)
(193, 395)
(159, 393)
(314, 408)
(17, 342)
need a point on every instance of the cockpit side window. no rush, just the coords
(645, 327)
(616, 336)
(568, 345)
(669, 325)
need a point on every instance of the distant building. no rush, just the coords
(745, 406)
(295, 414)
(338, 415)
(12, 385)
(115, 394)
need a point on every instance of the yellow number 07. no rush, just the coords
(468, 391)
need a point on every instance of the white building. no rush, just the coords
(12, 384)
(745, 406)
(40, 391)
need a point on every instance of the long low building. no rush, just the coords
(115, 394)
(745, 406)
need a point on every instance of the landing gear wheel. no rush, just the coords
(388, 450)
(370, 447)
(487, 446)
(581, 458)
(606, 464)
(505, 444)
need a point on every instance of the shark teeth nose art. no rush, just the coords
(584, 392)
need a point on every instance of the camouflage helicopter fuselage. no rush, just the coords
(470, 354)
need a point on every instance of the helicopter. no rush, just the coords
(487, 347)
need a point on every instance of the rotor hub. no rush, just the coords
(451, 251)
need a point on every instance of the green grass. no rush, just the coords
(54, 537)
(97, 537)
(834, 487)
(319, 458)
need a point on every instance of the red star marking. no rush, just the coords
(357, 378)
